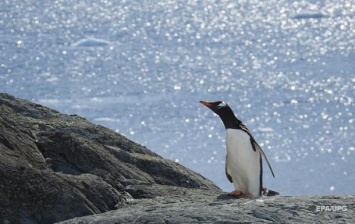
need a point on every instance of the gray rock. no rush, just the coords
(200, 206)
(56, 167)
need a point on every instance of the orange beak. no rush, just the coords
(207, 104)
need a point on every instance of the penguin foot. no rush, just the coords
(236, 193)
(239, 194)
(248, 196)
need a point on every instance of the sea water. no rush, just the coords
(287, 69)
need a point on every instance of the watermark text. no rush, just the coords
(331, 208)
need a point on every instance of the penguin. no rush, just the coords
(243, 166)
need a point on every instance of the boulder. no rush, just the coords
(55, 167)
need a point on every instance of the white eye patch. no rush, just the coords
(223, 104)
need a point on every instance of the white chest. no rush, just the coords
(243, 162)
(239, 147)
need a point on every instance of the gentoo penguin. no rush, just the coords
(244, 155)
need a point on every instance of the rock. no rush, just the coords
(197, 206)
(54, 167)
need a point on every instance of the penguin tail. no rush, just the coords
(268, 192)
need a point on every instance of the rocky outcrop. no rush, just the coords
(196, 206)
(54, 167)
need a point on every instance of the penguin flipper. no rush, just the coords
(229, 177)
(258, 148)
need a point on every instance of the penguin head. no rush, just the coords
(218, 107)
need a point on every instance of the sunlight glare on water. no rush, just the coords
(141, 68)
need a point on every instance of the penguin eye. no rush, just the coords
(222, 104)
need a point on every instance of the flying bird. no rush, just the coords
(244, 166)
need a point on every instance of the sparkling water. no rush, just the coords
(287, 69)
